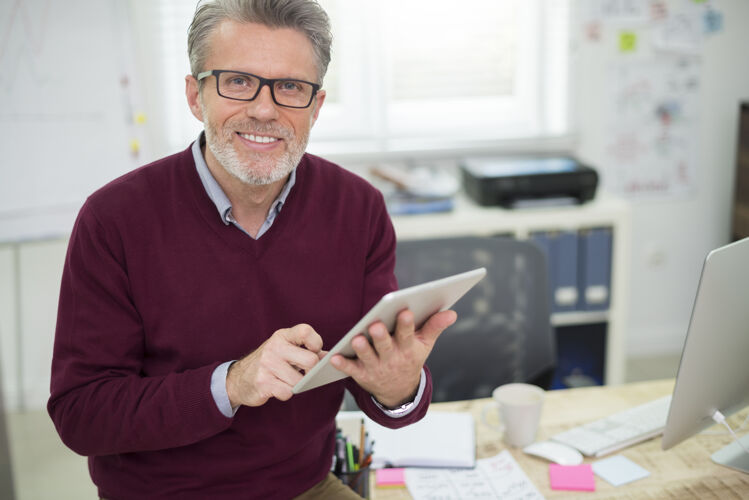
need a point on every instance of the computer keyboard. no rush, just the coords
(619, 430)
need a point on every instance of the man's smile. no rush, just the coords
(260, 139)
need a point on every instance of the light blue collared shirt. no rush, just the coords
(223, 206)
(219, 198)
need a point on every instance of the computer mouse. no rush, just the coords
(555, 452)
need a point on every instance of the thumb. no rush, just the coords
(435, 325)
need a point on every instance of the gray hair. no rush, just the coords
(305, 16)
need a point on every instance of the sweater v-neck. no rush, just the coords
(229, 234)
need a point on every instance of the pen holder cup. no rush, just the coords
(357, 481)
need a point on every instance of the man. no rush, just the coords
(240, 244)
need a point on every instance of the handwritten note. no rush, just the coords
(496, 477)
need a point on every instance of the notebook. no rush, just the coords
(440, 439)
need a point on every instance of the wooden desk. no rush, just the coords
(685, 471)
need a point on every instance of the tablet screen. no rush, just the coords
(423, 300)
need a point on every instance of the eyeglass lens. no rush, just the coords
(293, 93)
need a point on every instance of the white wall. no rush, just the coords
(8, 325)
(30, 276)
(671, 238)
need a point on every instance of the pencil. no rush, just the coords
(362, 442)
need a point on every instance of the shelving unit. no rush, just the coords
(470, 219)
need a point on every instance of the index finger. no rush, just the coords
(405, 328)
(304, 336)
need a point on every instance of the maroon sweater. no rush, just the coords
(157, 291)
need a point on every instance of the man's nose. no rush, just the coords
(263, 107)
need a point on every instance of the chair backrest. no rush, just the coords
(503, 333)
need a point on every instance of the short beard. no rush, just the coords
(256, 170)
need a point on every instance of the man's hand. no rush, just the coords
(272, 370)
(390, 368)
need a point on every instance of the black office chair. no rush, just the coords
(503, 333)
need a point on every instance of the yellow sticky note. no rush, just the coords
(627, 41)
(140, 118)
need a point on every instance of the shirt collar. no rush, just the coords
(217, 195)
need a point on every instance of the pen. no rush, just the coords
(350, 455)
(340, 453)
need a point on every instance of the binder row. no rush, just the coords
(579, 266)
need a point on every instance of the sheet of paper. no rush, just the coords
(496, 477)
(619, 470)
(652, 133)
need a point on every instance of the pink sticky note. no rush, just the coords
(390, 478)
(572, 477)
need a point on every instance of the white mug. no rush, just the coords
(519, 407)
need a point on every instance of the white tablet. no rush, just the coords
(423, 300)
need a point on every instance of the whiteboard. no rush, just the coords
(68, 110)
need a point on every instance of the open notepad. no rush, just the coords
(440, 439)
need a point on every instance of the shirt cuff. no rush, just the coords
(400, 413)
(218, 390)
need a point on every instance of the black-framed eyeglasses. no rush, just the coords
(240, 86)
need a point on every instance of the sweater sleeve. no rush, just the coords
(379, 280)
(101, 402)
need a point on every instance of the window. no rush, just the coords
(408, 75)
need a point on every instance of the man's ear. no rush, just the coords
(192, 91)
(319, 99)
